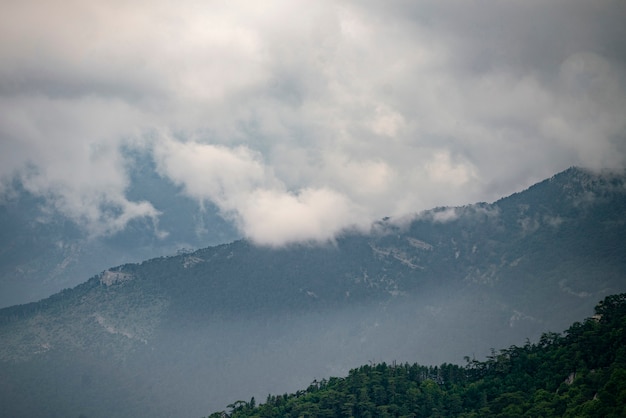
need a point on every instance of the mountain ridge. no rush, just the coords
(449, 277)
(43, 250)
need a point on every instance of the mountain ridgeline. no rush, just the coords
(186, 334)
(43, 251)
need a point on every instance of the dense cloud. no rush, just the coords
(297, 119)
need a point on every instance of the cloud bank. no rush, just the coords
(299, 119)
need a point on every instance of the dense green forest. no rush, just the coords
(580, 373)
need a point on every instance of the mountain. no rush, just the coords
(43, 251)
(186, 334)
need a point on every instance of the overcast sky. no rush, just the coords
(298, 119)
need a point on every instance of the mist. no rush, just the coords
(199, 368)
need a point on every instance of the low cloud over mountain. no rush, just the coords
(297, 120)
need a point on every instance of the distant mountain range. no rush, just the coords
(42, 251)
(183, 335)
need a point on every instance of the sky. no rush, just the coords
(298, 119)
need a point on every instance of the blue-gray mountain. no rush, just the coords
(42, 251)
(186, 334)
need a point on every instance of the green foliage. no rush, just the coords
(581, 373)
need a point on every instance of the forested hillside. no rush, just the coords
(580, 373)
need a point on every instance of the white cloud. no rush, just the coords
(210, 171)
(248, 193)
(263, 108)
(277, 217)
(445, 215)
(68, 151)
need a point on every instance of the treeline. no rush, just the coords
(56, 302)
(580, 373)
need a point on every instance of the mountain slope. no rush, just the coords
(188, 333)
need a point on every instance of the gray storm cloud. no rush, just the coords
(298, 124)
